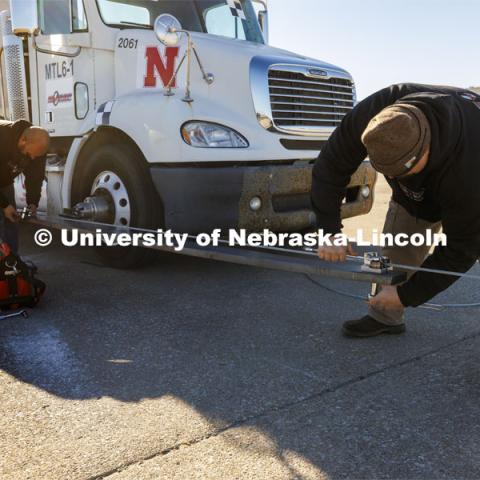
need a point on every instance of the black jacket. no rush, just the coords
(447, 190)
(12, 163)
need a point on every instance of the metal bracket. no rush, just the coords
(375, 263)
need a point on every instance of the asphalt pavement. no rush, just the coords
(192, 369)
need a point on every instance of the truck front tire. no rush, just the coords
(141, 200)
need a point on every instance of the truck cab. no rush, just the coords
(174, 115)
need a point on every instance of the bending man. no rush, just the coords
(426, 141)
(23, 150)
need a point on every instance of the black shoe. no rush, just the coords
(369, 327)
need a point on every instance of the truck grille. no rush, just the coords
(301, 102)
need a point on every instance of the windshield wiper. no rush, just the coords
(133, 24)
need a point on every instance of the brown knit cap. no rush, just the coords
(397, 138)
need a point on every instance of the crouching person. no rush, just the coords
(23, 150)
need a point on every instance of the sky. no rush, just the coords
(381, 42)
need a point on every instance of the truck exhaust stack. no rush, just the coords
(15, 70)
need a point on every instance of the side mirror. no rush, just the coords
(263, 21)
(24, 16)
(166, 28)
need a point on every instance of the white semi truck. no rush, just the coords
(172, 114)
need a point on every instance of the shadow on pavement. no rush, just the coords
(237, 344)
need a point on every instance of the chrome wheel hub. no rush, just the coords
(108, 184)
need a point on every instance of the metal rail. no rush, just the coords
(319, 267)
(262, 257)
(411, 268)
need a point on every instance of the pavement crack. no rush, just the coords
(358, 379)
(286, 406)
(163, 452)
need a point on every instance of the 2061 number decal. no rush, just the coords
(127, 43)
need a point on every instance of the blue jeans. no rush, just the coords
(9, 230)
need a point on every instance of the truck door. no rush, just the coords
(65, 67)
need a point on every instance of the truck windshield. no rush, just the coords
(228, 18)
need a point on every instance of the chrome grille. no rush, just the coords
(301, 102)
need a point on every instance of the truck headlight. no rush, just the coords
(211, 135)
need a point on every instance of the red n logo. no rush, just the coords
(156, 66)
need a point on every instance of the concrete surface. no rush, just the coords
(192, 369)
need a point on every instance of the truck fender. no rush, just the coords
(70, 164)
(89, 126)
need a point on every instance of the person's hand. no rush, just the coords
(33, 210)
(335, 254)
(11, 214)
(387, 300)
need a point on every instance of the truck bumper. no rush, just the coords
(199, 199)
